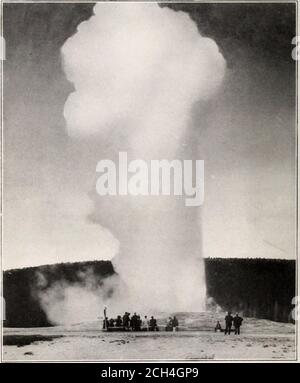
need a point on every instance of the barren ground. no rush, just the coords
(196, 340)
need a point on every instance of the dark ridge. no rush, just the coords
(25, 340)
(261, 288)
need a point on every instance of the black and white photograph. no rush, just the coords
(149, 181)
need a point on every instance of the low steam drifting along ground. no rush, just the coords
(260, 340)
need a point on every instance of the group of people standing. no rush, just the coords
(172, 324)
(136, 323)
(133, 323)
(230, 320)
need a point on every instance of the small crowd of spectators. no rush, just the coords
(230, 320)
(133, 323)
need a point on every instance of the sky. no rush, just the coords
(245, 134)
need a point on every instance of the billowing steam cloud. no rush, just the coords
(137, 71)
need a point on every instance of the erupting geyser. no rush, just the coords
(137, 70)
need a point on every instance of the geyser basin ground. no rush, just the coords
(260, 340)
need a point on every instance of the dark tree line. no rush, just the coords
(255, 287)
(261, 288)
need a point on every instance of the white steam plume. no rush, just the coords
(137, 71)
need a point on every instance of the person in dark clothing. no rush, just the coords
(129, 321)
(237, 322)
(126, 320)
(153, 324)
(228, 323)
(138, 323)
(133, 322)
(119, 321)
(175, 323)
(111, 322)
(218, 327)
